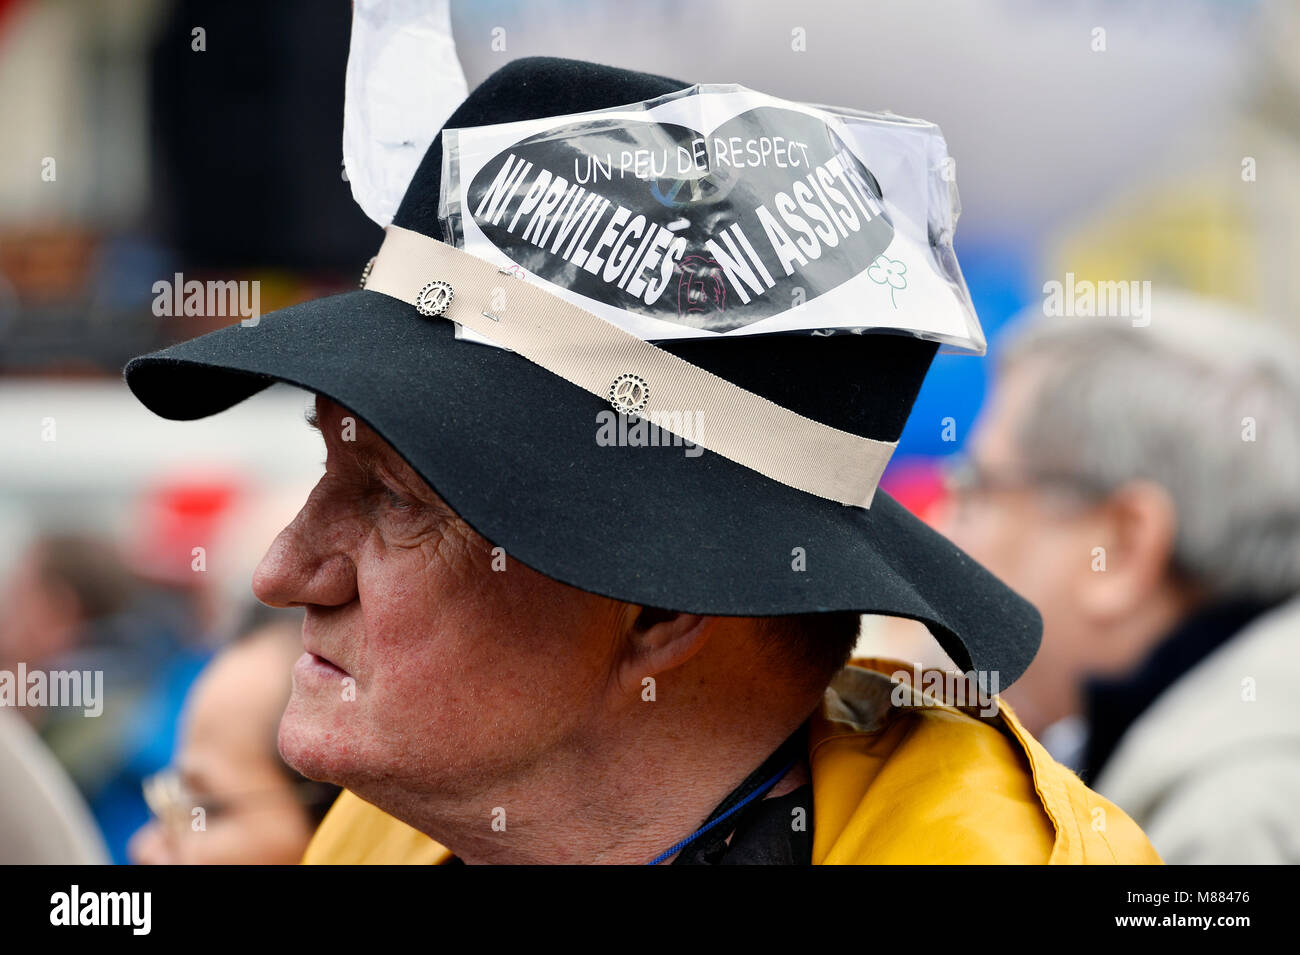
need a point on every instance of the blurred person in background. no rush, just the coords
(143, 611)
(60, 584)
(1141, 486)
(254, 808)
(72, 604)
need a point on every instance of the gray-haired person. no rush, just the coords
(1141, 485)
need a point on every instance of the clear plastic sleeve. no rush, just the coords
(717, 210)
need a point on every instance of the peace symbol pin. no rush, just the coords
(629, 393)
(433, 299)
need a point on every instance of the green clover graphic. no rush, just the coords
(888, 271)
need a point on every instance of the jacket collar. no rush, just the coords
(1113, 705)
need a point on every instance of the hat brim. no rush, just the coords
(513, 450)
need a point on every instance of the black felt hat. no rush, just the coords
(510, 446)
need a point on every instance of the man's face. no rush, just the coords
(1037, 540)
(427, 671)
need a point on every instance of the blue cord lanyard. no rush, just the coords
(762, 790)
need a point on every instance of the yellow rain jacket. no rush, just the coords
(927, 782)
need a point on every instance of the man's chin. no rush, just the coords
(315, 742)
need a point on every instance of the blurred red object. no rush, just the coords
(7, 7)
(176, 518)
(918, 484)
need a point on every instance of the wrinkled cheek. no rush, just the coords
(415, 681)
(456, 657)
(452, 701)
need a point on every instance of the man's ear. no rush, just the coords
(1142, 525)
(660, 640)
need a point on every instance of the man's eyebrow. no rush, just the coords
(362, 454)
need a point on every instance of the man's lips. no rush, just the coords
(313, 668)
(325, 661)
(320, 658)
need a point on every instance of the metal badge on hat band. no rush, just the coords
(629, 394)
(594, 354)
(434, 299)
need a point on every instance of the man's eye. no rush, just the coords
(396, 500)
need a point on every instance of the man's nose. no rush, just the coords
(306, 565)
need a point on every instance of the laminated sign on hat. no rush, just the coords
(767, 279)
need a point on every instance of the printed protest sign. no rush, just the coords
(719, 211)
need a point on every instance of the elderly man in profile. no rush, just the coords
(1139, 484)
(506, 697)
(527, 645)
(507, 714)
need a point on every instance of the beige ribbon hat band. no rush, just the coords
(442, 281)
